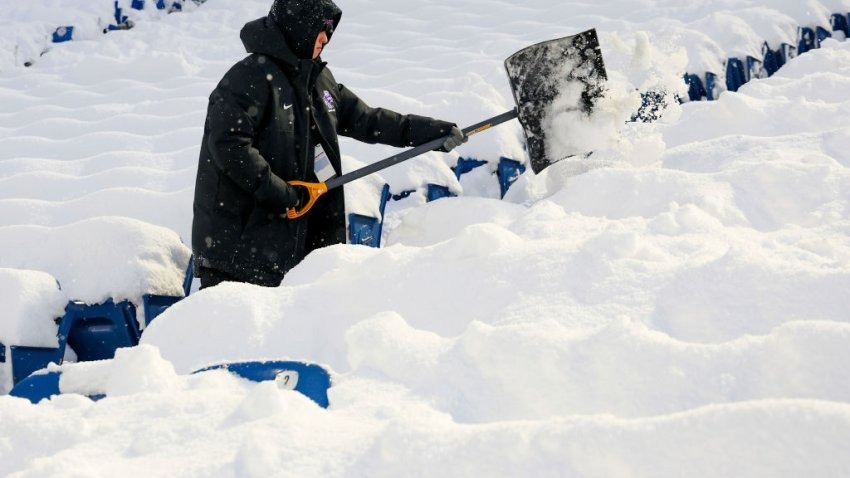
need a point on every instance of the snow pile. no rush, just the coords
(100, 258)
(31, 300)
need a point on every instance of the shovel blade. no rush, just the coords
(541, 73)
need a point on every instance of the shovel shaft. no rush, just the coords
(317, 189)
(419, 150)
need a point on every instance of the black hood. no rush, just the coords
(301, 21)
(263, 36)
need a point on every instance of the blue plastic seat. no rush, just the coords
(122, 22)
(26, 360)
(63, 34)
(94, 332)
(435, 191)
(37, 387)
(773, 60)
(465, 165)
(2, 353)
(736, 74)
(840, 23)
(821, 34)
(806, 40)
(157, 304)
(508, 171)
(366, 230)
(309, 379)
(711, 92)
(696, 90)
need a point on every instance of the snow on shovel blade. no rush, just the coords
(566, 69)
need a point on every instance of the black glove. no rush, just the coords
(455, 139)
(303, 196)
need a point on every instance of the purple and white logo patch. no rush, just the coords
(328, 99)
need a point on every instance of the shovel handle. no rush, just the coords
(315, 190)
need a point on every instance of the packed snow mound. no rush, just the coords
(99, 258)
(30, 296)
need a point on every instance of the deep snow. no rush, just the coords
(674, 305)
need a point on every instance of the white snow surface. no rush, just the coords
(675, 305)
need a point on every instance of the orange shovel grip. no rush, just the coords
(315, 190)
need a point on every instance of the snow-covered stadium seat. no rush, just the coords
(821, 34)
(366, 230)
(436, 191)
(840, 23)
(31, 303)
(696, 90)
(739, 72)
(466, 165)
(63, 34)
(508, 172)
(94, 332)
(806, 40)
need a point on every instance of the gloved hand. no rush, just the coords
(303, 196)
(455, 139)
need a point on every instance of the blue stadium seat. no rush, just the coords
(403, 195)
(137, 4)
(122, 22)
(508, 171)
(788, 52)
(736, 74)
(821, 34)
(309, 379)
(696, 91)
(840, 23)
(366, 230)
(754, 68)
(773, 60)
(63, 34)
(435, 191)
(806, 40)
(711, 92)
(2, 353)
(465, 165)
(94, 332)
(37, 387)
(26, 360)
(157, 304)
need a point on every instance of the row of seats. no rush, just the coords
(366, 230)
(121, 21)
(741, 70)
(92, 331)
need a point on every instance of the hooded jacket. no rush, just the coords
(263, 121)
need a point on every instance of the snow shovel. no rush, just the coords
(538, 75)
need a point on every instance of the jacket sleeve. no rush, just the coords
(236, 107)
(378, 125)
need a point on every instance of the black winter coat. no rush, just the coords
(262, 121)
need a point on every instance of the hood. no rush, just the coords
(263, 36)
(301, 21)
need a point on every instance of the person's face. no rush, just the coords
(321, 41)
